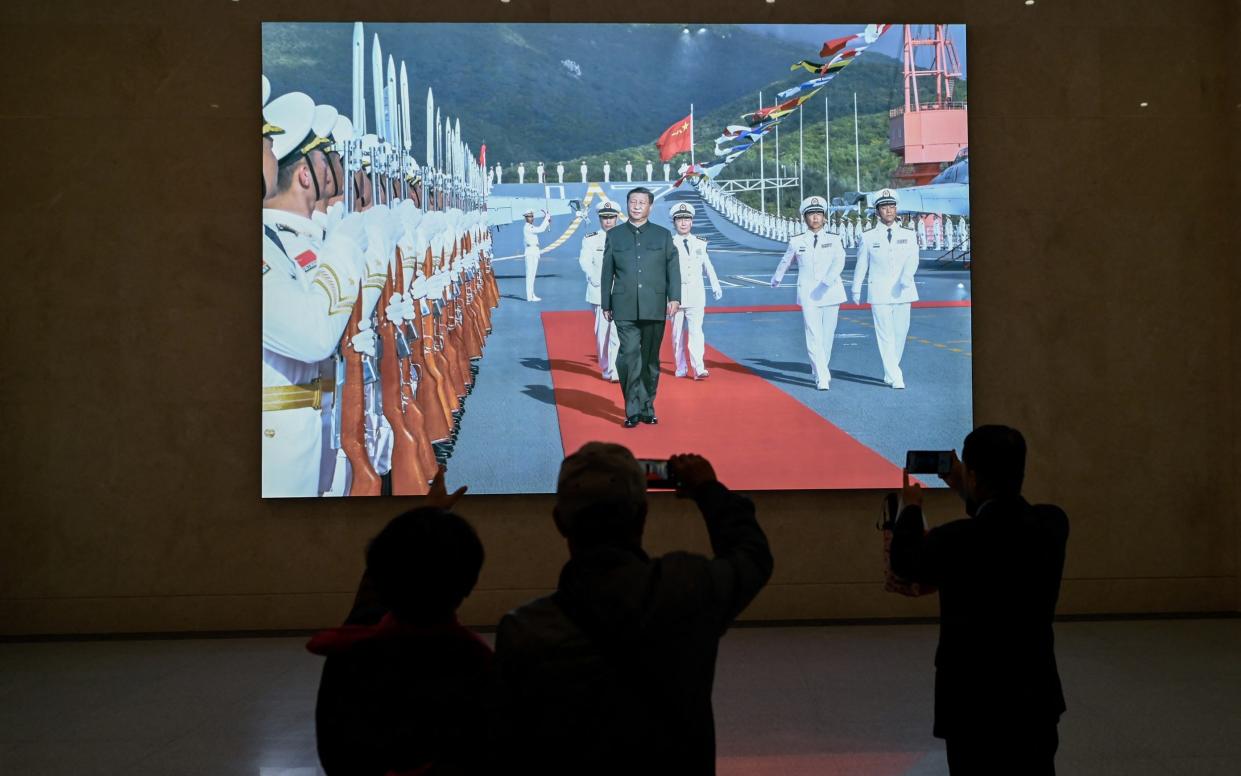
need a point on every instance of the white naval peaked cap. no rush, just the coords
(342, 131)
(369, 143)
(607, 207)
(682, 210)
(527, 212)
(324, 121)
(266, 91)
(813, 204)
(294, 112)
(885, 197)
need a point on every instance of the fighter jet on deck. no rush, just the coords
(947, 194)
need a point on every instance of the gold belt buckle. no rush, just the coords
(318, 389)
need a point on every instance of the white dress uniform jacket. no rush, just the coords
(820, 258)
(889, 263)
(530, 233)
(590, 259)
(694, 260)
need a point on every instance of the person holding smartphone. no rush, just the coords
(612, 674)
(998, 697)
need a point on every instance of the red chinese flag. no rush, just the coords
(482, 156)
(834, 45)
(674, 140)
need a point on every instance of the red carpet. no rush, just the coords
(757, 436)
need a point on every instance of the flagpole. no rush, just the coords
(779, 180)
(762, 177)
(827, 151)
(801, 155)
(691, 134)
(857, 151)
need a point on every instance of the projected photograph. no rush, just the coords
(487, 244)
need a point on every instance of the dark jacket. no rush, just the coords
(400, 698)
(613, 673)
(641, 272)
(998, 575)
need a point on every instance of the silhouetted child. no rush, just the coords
(403, 684)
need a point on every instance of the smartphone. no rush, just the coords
(929, 462)
(657, 475)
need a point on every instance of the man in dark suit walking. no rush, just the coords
(998, 698)
(640, 289)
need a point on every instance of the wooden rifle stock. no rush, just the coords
(433, 358)
(408, 478)
(364, 481)
(415, 417)
(450, 348)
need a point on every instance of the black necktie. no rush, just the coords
(889, 234)
(815, 244)
(686, 241)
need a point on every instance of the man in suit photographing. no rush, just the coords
(998, 698)
(640, 288)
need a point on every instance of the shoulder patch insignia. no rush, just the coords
(306, 260)
(592, 234)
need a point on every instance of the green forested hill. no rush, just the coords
(634, 80)
(511, 89)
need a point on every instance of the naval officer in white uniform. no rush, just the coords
(888, 259)
(530, 237)
(820, 257)
(607, 343)
(309, 288)
(692, 251)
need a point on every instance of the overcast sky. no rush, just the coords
(814, 35)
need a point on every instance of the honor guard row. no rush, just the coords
(377, 299)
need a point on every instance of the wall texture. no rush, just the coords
(1106, 324)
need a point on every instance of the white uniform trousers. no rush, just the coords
(820, 334)
(292, 440)
(688, 320)
(532, 268)
(891, 331)
(607, 344)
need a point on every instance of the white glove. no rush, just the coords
(407, 307)
(395, 309)
(335, 213)
(352, 228)
(857, 295)
(396, 228)
(364, 340)
(718, 294)
(375, 221)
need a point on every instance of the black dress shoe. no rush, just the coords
(649, 420)
(630, 421)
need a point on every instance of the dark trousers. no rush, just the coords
(1021, 752)
(638, 363)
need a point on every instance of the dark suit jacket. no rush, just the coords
(998, 575)
(641, 273)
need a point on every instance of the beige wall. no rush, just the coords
(1106, 320)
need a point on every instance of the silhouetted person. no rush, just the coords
(998, 698)
(403, 685)
(613, 673)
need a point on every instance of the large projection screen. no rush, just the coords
(440, 326)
